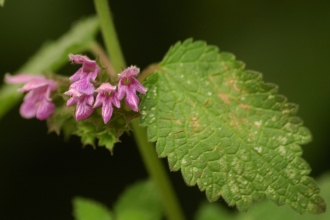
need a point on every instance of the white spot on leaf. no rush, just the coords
(258, 123)
(282, 150)
(258, 149)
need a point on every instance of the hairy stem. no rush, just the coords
(98, 51)
(109, 34)
(158, 173)
(148, 71)
(152, 163)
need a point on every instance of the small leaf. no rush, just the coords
(212, 211)
(139, 202)
(51, 57)
(107, 138)
(228, 131)
(87, 131)
(62, 119)
(87, 209)
(2, 3)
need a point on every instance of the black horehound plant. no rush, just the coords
(229, 133)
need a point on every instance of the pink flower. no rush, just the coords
(106, 97)
(84, 105)
(37, 102)
(83, 86)
(81, 90)
(88, 71)
(128, 85)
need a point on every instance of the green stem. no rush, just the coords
(98, 51)
(109, 34)
(148, 71)
(153, 164)
(157, 172)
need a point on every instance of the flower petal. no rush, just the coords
(72, 100)
(132, 100)
(89, 69)
(22, 78)
(115, 101)
(89, 100)
(28, 109)
(138, 86)
(106, 87)
(34, 84)
(121, 90)
(99, 100)
(93, 74)
(83, 86)
(83, 110)
(77, 75)
(73, 92)
(129, 72)
(45, 109)
(107, 110)
(80, 59)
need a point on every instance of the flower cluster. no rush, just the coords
(37, 102)
(82, 90)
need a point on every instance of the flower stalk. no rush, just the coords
(152, 163)
(109, 34)
(98, 51)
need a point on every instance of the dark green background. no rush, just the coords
(288, 41)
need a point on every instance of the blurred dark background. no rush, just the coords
(288, 41)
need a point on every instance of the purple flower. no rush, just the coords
(37, 102)
(81, 80)
(84, 104)
(128, 85)
(88, 71)
(81, 90)
(83, 86)
(106, 97)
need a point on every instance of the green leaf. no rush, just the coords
(62, 119)
(212, 211)
(87, 209)
(51, 57)
(86, 130)
(107, 138)
(94, 128)
(265, 209)
(140, 201)
(228, 131)
(2, 3)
